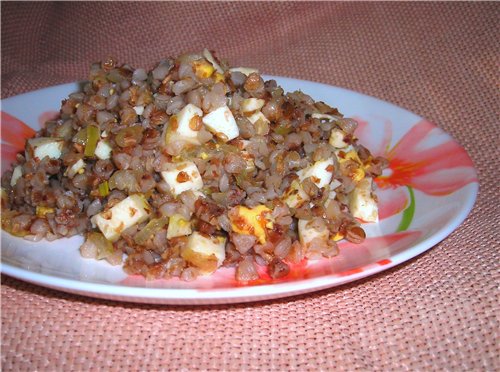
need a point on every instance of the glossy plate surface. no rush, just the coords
(426, 193)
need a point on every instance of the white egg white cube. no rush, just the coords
(221, 121)
(295, 196)
(16, 174)
(337, 139)
(183, 120)
(182, 177)
(40, 147)
(178, 226)
(308, 233)
(210, 58)
(333, 185)
(320, 116)
(128, 212)
(256, 116)
(244, 70)
(204, 252)
(103, 150)
(139, 110)
(361, 202)
(321, 172)
(252, 104)
(75, 168)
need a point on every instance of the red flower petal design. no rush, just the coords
(14, 131)
(436, 170)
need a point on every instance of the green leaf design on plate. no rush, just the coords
(408, 213)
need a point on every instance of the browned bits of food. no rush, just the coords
(195, 123)
(182, 177)
(108, 64)
(355, 234)
(158, 117)
(253, 82)
(190, 167)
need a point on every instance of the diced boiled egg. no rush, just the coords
(203, 69)
(182, 176)
(139, 110)
(308, 233)
(338, 236)
(337, 139)
(320, 116)
(321, 172)
(295, 195)
(40, 147)
(182, 129)
(103, 150)
(16, 174)
(178, 226)
(185, 123)
(218, 77)
(256, 116)
(361, 202)
(251, 221)
(244, 70)
(75, 168)
(350, 154)
(206, 253)
(128, 212)
(252, 104)
(42, 211)
(358, 174)
(210, 58)
(333, 185)
(221, 122)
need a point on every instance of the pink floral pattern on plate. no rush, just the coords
(14, 132)
(437, 170)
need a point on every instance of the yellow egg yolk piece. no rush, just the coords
(251, 221)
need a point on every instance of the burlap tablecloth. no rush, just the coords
(437, 311)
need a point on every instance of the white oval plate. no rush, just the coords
(428, 190)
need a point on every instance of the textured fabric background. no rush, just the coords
(438, 311)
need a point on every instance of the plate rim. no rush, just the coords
(249, 293)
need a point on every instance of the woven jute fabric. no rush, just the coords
(438, 311)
